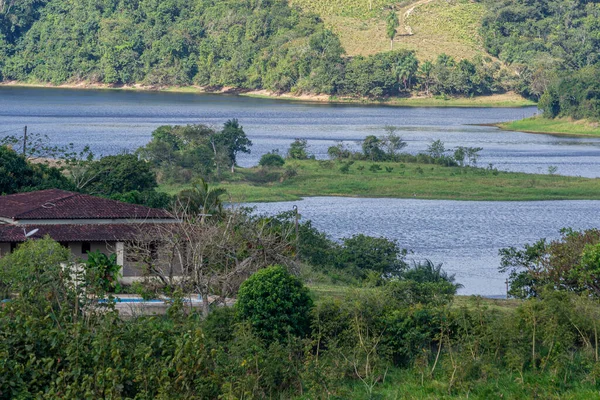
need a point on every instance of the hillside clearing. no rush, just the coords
(437, 26)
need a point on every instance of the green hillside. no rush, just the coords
(546, 50)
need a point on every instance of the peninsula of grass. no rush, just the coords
(397, 180)
(558, 126)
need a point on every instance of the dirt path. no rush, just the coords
(405, 14)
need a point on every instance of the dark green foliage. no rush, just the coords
(271, 160)
(566, 264)
(555, 45)
(275, 304)
(202, 199)
(120, 174)
(574, 94)
(234, 140)
(371, 147)
(183, 153)
(19, 175)
(368, 343)
(103, 270)
(231, 43)
(298, 150)
(266, 45)
(362, 254)
(148, 198)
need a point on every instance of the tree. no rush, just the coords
(425, 78)
(234, 139)
(365, 253)
(202, 199)
(406, 69)
(436, 149)
(209, 256)
(371, 148)
(392, 25)
(275, 303)
(392, 142)
(38, 271)
(297, 150)
(120, 174)
(18, 175)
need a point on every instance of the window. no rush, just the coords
(13, 246)
(64, 244)
(86, 247)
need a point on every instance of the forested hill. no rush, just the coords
(554, 46)
(251, 44)
(549, 49)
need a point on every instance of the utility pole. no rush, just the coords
(25, 140)
(295, 208)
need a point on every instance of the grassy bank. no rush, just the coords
(421, 181)
(322, 292)
(498, 100)
(561, 126)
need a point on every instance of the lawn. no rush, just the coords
(419, 181)
(562, 126)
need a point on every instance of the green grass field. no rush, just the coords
(420, 181)
(556, 126)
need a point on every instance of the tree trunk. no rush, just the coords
(391, 44)
(205, 304)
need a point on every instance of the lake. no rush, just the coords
(465, 236)
(116, 121)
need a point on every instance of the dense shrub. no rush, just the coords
(271, 160)
(275, 303)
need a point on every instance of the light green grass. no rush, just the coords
(438, 26)
(555, 126)
(435, 182)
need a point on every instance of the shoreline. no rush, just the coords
(557, 127)
(506, 100)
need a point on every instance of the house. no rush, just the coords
(79, 222)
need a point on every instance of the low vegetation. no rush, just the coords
(562, 126)
(399, 338)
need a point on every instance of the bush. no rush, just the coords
(271, 160)
(275, 303)
(365, 253)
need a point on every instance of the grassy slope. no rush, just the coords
(557, 126)
(440, 26)
(435, 182)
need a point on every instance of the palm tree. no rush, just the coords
(392, 24)
(427, 271)
(202, 200)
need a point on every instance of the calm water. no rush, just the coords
(113, 121)
(465, 236)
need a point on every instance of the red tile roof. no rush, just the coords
(60, 204)
(76, 233)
